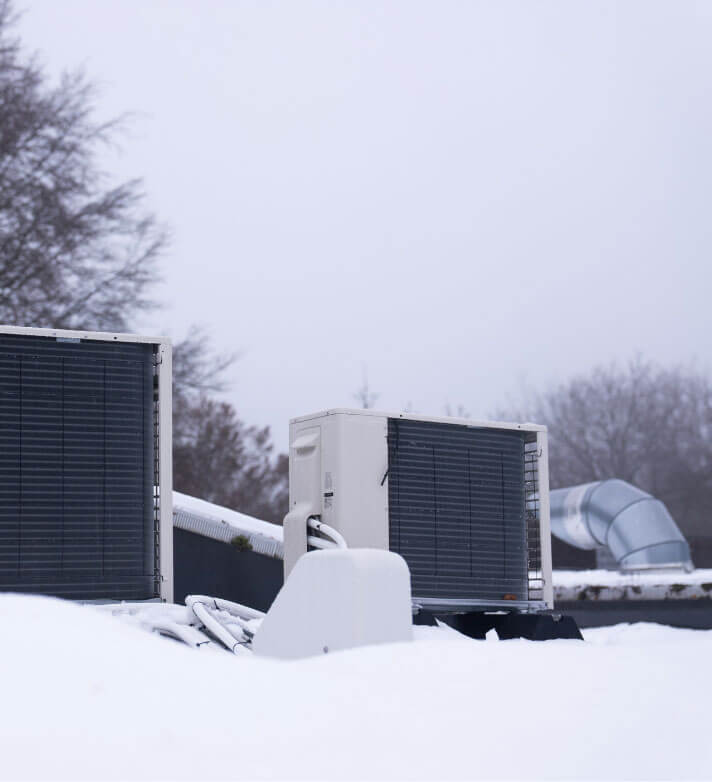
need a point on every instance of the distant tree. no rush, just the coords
(456, 412)
(75, 251)
(198, 372)
(646, 424)
(216, 456)
(219, 458)
(364, 396)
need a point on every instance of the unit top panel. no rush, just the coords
(526, 427)
(103, 336)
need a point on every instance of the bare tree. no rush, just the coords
(363, 395)
(220, 459)
(75, 251)
(216, 456)
(646, 424)
(198, 372)
(456, 412)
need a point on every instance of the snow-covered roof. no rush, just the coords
(215, 521)
(612, 585)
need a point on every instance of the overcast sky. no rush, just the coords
(468, 198)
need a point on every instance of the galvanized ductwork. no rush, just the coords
(636, 528)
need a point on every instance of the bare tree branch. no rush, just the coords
(74, 252)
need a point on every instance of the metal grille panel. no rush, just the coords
(458, 510)
(535, 577)
(76, 468)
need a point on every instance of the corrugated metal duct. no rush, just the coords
(635, 527)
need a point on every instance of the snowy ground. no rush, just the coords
(86, 695)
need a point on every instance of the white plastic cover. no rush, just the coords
(338, 599)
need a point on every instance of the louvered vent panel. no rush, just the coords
(457, 509)
(76, 468)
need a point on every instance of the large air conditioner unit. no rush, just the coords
(85, 464)
(465, 503)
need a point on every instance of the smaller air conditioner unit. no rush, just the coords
(465, 503)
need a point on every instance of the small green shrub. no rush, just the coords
(241, 543)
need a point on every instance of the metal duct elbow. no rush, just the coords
(636, 528)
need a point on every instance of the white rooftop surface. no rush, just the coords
(89, 696)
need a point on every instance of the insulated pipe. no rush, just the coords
(198, 605)
(226, 605)
(186, 633)
(636, 528)
(297, 539)
(316, 542)
(325, 529)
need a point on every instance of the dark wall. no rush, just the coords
(696, 614)
(565, 557)
(701, 550)
(203, 566)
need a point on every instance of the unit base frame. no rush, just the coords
(533, 627)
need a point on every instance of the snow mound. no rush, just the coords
(86, 695)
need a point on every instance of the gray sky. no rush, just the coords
(466, 197)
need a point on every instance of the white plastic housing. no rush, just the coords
(338, 600)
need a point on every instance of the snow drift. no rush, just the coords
(87, 695)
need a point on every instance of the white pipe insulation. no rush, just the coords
(202, 607)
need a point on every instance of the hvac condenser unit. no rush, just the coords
(85, 464)
(466, 504)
